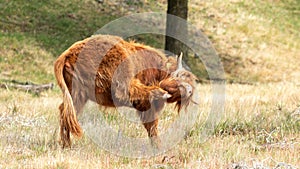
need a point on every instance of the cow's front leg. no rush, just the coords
(152, 130)
(150, 118)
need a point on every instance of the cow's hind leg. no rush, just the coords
(78, 103)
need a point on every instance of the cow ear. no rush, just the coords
(179, 61)
(197, 80)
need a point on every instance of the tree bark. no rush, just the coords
(176, 27)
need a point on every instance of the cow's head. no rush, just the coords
(180, 85)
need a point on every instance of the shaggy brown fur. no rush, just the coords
(112, 72)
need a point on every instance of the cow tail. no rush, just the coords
(68, 118)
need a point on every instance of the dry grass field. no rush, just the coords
(258, 42)
(257, 128)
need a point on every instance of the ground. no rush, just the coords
(258, 42)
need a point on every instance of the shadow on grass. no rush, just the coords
(54, 24)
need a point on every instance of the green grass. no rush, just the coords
(23, 59)
(260, 26)
(33, 34)
(54, 25)
(282, 14)
(253, 38)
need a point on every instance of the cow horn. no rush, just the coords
(179, 61)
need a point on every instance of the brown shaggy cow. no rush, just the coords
(112, 72)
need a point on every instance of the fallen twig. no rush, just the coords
(28, 87)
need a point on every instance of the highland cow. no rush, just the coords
(112, 72)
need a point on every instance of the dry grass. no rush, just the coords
(258, 127)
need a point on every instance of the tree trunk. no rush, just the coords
(177, 27)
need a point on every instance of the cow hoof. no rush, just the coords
(166, 96)
(158, 94)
